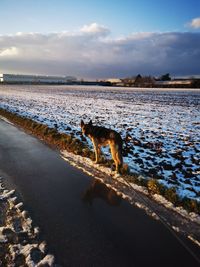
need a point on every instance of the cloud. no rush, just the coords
(92, 53)
(94, 28)
(9, 52)
(195, 23)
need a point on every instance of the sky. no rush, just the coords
(97, 39)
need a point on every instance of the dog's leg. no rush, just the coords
(119, 160)
(99, 153)
(96, 150)
(113, 149)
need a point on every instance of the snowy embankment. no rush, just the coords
(20, 244)
(160, 128)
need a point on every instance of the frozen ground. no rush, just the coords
(160, 127)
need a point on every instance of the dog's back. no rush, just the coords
(103, 134)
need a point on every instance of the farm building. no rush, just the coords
(36, 79)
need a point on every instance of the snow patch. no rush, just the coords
(6, 120)
(17, 223)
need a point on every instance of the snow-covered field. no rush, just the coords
(161, 127)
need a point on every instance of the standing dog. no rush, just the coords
(101, 136)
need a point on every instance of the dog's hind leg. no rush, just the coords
(114, 150)
(119, 160)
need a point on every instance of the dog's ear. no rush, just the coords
(90, 123)
(82, 123)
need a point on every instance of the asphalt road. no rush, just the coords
(83, 222)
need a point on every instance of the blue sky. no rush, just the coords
(122, 16)
(128, 26)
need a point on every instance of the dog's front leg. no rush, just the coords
(96, 150)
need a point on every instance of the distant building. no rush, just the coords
(114, 80)
(176, 83)
(36, 79)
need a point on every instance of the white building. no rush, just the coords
(183, 82)
(114, 80)
(36, 79)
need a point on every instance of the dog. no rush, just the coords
(101, 136)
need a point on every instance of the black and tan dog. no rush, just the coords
(101, 136)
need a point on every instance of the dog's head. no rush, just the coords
(85, 128)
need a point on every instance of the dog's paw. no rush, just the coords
(117, 175)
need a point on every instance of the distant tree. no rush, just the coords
(138, 77)
(145, 81)
(138, 80)
(165, 77)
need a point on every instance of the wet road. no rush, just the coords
(83, 222)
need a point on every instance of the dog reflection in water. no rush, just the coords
(99, 190)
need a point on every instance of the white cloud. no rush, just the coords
(9, 52)
(89, 53)
(195, 23)
(95, 28)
